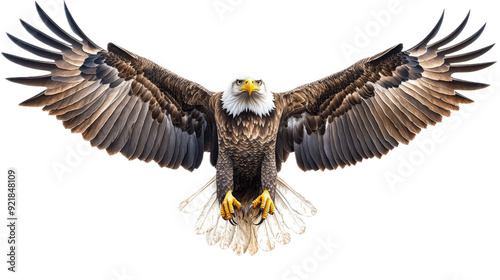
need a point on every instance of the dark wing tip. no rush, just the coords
(464, 43)
(468, 56)
(468, 85)
(30, 63)
(452, 35)
(38, 8)
(8, 56)
(39, 81)
(483, 27)
(430, 36)
(480, 31)
(77, 29)
(488, 64)
(23, 22)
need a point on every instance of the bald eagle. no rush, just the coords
(122, 102)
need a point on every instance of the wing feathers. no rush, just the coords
(79, 32)
(462, 44)
(38, 81)
(353, 141)
(367, 144)
(35, 49)
(421, 47)
(118, 101)
(44, 38)
(31, 63)
(54, 27)
(151, 139)
(467, 56)
(122, 128)
(379, 102)
(141, 131)
(452, 35)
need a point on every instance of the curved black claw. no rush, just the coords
(260, 213)
(250, 208)
(260, 222)
(232, 222)
(242, 213)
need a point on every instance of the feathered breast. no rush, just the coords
(247, 130)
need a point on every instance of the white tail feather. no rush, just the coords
(227, 235)
(198, 199)
(246, 237)
(298, 203)
(208, 217)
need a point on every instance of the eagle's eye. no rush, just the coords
(258, 82)
(239, 82)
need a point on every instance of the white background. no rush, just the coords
(108, 218)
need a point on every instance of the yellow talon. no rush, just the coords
(228, 204)
(266, 204)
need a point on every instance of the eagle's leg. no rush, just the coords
(268, 179)
(224, 183)
(227, 207)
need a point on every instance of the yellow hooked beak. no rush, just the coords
(249, 86)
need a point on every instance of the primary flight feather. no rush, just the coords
(125, 103)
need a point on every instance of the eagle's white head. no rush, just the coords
(247, 94)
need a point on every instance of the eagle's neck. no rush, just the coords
(262, 104)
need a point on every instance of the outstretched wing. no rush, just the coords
(119, 101)
(377, 103)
